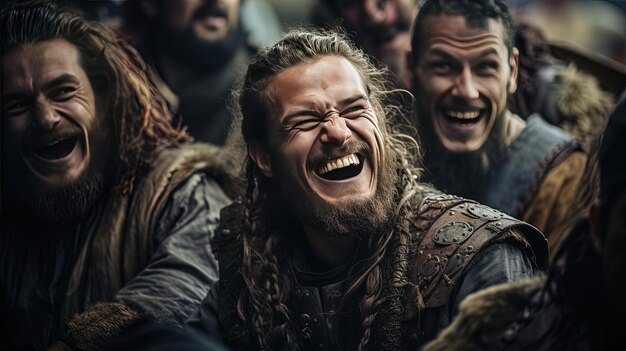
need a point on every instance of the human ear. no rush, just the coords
(513, 63)
(261, 158)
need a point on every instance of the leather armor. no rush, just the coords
(447, 233)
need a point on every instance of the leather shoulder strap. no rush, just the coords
(227, 247)
(538, 148)
(454, 231)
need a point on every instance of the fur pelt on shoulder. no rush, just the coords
(484, 316)
(583, 106)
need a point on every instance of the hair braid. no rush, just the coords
(370, 303)
(281, 335)
(265, 297)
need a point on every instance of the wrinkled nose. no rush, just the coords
(375, 11)
(464, 87)
(335, 131)
(45, 117)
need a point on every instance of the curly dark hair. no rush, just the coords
(475, 12)
(379, 280)
(136, 113)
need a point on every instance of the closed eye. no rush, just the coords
(63, 93)
(306, 124)
(15, 108)
(353, 111)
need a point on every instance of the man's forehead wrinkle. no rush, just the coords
(482, 40)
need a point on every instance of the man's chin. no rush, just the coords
(62, 204)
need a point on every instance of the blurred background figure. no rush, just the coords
(381, 27)
(559, 91)
(197, 50)
(577, 305)
(598, 26)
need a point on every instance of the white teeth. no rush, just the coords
(345, 161)
(464, 115)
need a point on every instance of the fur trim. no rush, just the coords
(583, 105)
(98, 324)
(484, 316)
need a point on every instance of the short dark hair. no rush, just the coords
(475, 12)
(136, 113)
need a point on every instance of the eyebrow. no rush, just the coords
(345, 102)
(60, 80)
(342, 104)
(485, 53)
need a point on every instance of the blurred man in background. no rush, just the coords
(197, 49)
(381, 27)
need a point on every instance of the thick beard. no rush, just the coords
(185, 47)
(26, 196)
(467, 174)
(350, 218)
(64, 205)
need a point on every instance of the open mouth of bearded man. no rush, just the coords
(56, 149)
(341, 168)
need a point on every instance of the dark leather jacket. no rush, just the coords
(458, 246)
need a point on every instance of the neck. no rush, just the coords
(331, 252)
(513, 126)
(176, 75)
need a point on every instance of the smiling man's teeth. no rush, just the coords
(339, 163)
(464, 115)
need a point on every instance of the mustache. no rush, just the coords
(213, 8)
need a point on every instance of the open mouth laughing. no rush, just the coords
(57, 157)
(464, 117)
(57, 149)
(342, 168)
(463, 128)
(350, 175)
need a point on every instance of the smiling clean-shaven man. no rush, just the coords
(464, 68)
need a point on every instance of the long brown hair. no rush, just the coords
(136, 114)
(261, 305)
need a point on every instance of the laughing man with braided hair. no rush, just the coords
(336, 244)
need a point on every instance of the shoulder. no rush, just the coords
(451, 231)
(187, 173)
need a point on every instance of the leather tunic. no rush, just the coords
(447, 233)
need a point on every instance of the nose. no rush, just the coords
(335, 131)
(375, 11)
(464, 86)
(45, 117)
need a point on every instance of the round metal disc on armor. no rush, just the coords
(480, 211)
(453, 233)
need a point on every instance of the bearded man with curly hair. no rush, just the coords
(107, 209)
